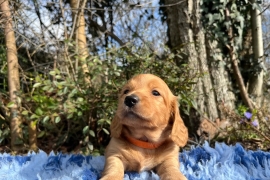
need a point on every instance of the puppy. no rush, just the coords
(146, 131)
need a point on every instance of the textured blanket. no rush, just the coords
(200, 163)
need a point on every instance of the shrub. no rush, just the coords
(70, 114)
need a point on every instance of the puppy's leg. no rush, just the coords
(114, 169)
(169, 170)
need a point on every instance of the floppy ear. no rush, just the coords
(116, 127)
(179, 132)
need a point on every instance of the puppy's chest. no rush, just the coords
(141, 162)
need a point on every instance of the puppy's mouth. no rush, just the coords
(130, 114)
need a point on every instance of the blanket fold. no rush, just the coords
(222, 162)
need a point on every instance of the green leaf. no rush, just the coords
(73, 92)
(46, 88)
(70, 115)
(45, 119)
(37, 78)
(57, 71)
(92, 133)
(41, 134)
(210, 18)
(34, 116)
(52, 73)
(10, 104)
(80, 99)
(256, 6)
(85, 130)
(64, 83)
(79, 113)
(65, 90)
(33, 123)
(25, 113)
(100, 121)
(57, 119)
(60, 93)
(233, 7)
(108, 121)
(117, 73)
(194, 104)
(58, 77)
(106, 131)
(38, 111)
(36, 85)
(51, 90)
(54, 114)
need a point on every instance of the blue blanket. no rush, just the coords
(200, 163)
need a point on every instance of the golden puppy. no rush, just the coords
(146, 131)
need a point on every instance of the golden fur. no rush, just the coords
(154, 118)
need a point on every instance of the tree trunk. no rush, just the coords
(220, 77)
(13, 77)
(32, 130)
(185, 28)
(256, 79)
(77, 7)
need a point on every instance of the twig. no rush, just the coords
(260, 132)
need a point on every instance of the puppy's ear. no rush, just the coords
(116, 127)
(179, 132)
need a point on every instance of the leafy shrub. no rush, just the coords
(72, 114)
(71, 111)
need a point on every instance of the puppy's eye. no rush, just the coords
(126, 91)
(155, 93)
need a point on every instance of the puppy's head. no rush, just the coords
(147, 102)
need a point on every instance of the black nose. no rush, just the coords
(131, 100)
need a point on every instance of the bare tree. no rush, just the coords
(256, 78)
(77, 7)
(13, 76)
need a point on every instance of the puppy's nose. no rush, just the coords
(131, 100)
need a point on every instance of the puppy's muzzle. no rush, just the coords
(131, 100)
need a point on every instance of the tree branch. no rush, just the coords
(111, 34)
(236, 71)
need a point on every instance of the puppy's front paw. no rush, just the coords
(173, 176)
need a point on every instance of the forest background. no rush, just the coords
(64, 61)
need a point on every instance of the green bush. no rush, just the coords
(72, 114)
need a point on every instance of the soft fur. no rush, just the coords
(155, 118)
